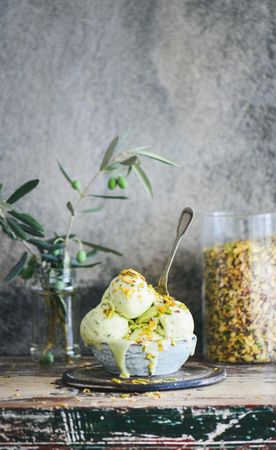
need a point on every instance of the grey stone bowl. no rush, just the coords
(168, 361)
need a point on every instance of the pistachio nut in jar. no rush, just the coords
(239, 292)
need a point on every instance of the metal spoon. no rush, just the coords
(185, 219)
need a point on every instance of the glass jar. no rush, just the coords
(239, 287)
(55, 319)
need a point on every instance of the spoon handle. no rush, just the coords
(185, 219)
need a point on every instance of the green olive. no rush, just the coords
(81, 256)
(112, 183)
(56, 252)
(27, 273)
(59, 285)
(32, 262)
(76, 184)
(47, 358)
(122, 182)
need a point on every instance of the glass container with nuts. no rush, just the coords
(239, 287)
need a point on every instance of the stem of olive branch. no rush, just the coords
(71, 221)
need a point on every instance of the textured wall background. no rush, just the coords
(195, 79)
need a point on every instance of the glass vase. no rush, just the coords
(239, 287)
(55, 317)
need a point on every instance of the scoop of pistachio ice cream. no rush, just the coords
(179, 323)
(103, 324)
(130, 294)
(166, 319)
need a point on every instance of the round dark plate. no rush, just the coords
(190, 375)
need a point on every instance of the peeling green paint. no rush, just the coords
(140, 427)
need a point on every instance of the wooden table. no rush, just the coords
(38, 412)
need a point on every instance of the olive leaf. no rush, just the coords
(129, 161)
(27, 219)
(76, 265)
(109, 152)
(42, 245)
(113, 167)
(122, 161)
(7, 230)
(1, 191)
(143, 152)
(31, 231)
(50, 258)
(16, 228)
(64, 173)
(70, 207)
(101, 248)
(17, 269)
(111, 197)
(91, 210)
(143, 177)
(91, 253)
(124, 137)
(22, 190)
(29, 269)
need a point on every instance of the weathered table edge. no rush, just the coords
(185, 427)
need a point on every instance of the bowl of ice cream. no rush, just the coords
(135, 331)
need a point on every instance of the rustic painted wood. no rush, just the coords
(37, 412)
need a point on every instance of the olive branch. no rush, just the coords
(54, 252)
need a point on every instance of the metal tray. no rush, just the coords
(190, 375)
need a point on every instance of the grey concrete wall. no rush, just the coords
(194, 79)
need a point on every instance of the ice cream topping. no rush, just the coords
(132, 312)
